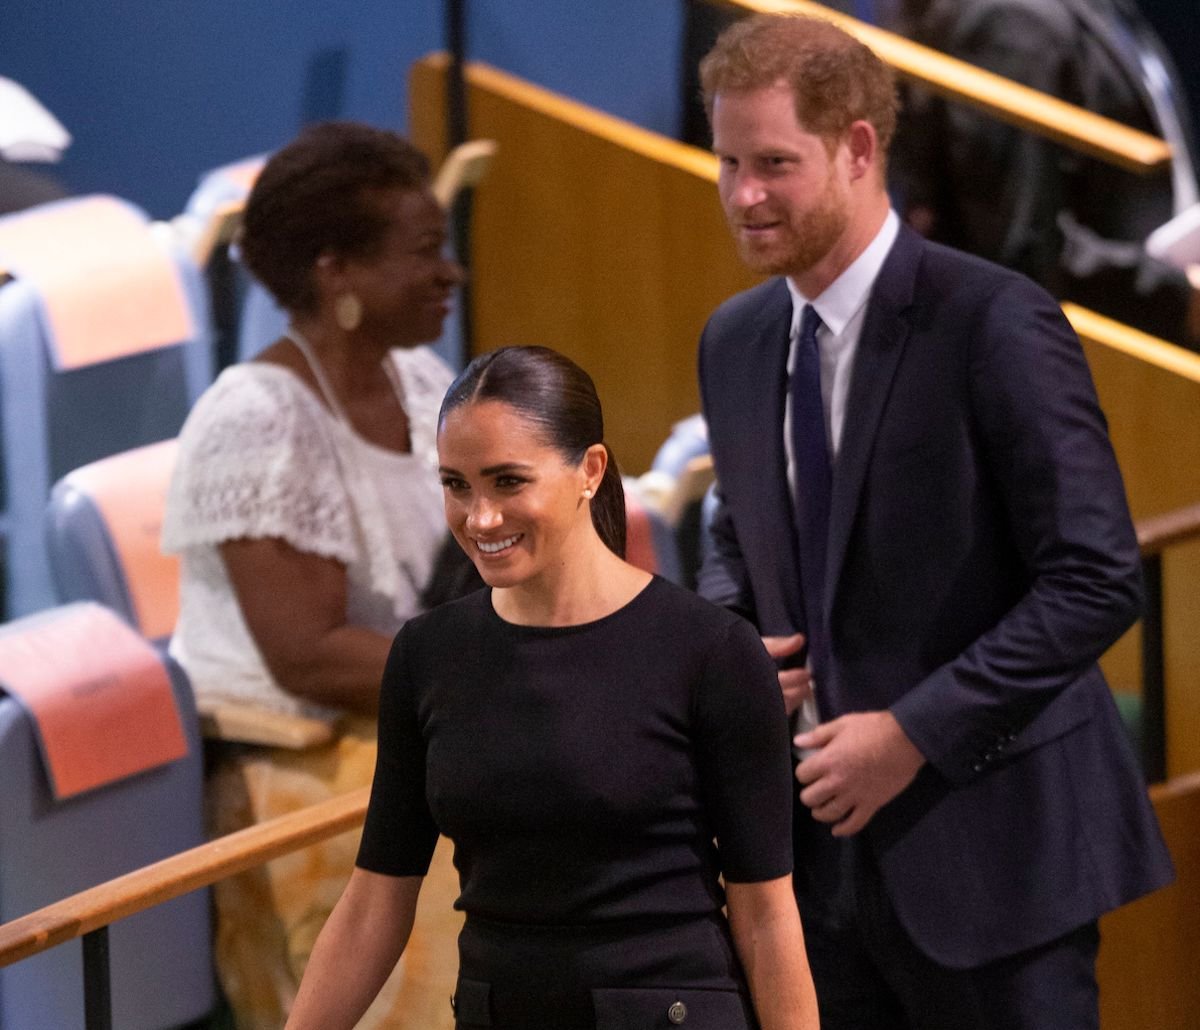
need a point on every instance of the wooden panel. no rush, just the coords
(606, 241)
(1150, 391)
(1148, 950)
(596, 238)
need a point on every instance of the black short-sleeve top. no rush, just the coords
(601, 771)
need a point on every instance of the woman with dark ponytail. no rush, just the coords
(558, 397)
(602, 747)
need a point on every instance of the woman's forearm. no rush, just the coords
(770, 943)
(294, 605)
(341, 668)
(356, 951)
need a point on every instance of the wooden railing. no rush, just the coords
(89, 913)
(1155, 535)
(1008, 101)
(1147, 963)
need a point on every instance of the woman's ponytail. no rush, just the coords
(608, 507)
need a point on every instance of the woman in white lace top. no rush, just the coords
(307, 513)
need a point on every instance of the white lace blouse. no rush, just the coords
(261, 456)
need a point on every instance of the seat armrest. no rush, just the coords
(249, 724)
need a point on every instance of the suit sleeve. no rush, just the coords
(723, 577)
(1043, 440)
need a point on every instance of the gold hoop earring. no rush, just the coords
(348, 311)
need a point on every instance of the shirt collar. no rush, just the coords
(844, 297)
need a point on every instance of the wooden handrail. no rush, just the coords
(1026, 108)
(172, 877)
(1158, 532)
(1128, 340)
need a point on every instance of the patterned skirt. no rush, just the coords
(268, 918)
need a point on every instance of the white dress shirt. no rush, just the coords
(842, 307)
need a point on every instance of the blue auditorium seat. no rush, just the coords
(262, 321)
(688, 439)
(50, 848)
(649, 541)
(103, 527)
(679, 474)
(55, 418)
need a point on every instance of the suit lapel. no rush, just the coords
(761, 393)
(884, 335)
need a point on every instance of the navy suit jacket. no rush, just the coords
(981, 558)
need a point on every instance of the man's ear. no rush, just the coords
(862, 146)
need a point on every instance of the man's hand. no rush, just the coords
(862, 761)
(796, 683)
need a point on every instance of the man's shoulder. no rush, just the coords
(749, 306)
(945, 271)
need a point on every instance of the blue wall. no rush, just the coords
(157, 91)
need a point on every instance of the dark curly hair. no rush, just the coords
(316, 195)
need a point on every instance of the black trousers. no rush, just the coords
(869, 974)
(638, 973)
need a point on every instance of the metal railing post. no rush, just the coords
(97, 981)
(1154, 721)
(457, 131)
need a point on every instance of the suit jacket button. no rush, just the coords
(677, 1013)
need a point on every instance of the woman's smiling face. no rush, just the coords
(513, 501)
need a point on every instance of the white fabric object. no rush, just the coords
(261, 456)
(28, 132)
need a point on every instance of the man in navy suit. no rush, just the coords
(921, 512)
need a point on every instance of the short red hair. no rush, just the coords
(836, 80)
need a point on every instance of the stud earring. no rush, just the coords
(348, 311)
(587, 493)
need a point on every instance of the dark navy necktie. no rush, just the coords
(813, 474)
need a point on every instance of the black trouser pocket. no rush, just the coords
(472, 1003)
(652, 1008)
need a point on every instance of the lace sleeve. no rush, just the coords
(421, 380)
(256, 459)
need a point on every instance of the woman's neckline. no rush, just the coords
(333, 416)
(542, 629)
